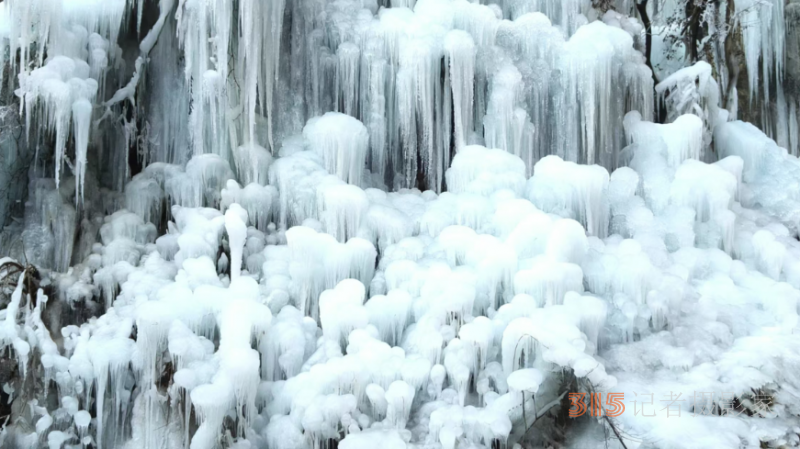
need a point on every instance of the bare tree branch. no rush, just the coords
(641, 7)
(128, 91)
(733, 54)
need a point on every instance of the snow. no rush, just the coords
(683, 137)
(376, 438)
(692, 90)
(527, 380)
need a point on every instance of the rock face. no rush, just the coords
(792, 83)
(14, 161)
(793, 48)
(775, 112)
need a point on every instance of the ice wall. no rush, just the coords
(386, 224)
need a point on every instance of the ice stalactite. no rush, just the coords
(425, 80)
(683, 137)
(31, 25)
(252, 163)
(261, 59)
(341, 310)
(319, 262)
(61, 90)
(81, 119)
(579, 189)
(408, 126)
(461, 61)
(258, 201)
(57, 86)
(10, 327)
(396, 73)
(482, 171)
(420, 60)
(375, 116)
(794, 130)
(763, 31)
(342, 142)
(506, 125)
(347, 81)
(341, 208)
(567, 13)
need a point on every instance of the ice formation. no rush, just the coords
(396, 224)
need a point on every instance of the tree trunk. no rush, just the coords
(641, 7)
(693, 28)
(733, 55)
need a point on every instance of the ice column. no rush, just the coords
(342, 141)
(460, 51)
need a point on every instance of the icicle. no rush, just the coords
(81, 119)
(399, 397)
(318, 262)
(461, 60)
(259, 202)
(476, 169)
(375, 114)
(342, 141)
(507, 126)
(252, 163)
(592, 312)
(582, 189)
(108, 357)
(763, 34)
(341, 208)
(341, 310)
(548, 282)
(794, 129)
(683, 137)
(144, 197)
(347, 80)
(480, 334)
(9, 332)
(420, 63)
(408, 126)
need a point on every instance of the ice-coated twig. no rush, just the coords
(128, 91)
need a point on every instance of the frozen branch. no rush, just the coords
(128, 91)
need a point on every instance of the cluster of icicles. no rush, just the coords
(424, 81)
(229, 329)
(425, 77)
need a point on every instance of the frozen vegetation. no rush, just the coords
(361, 224)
